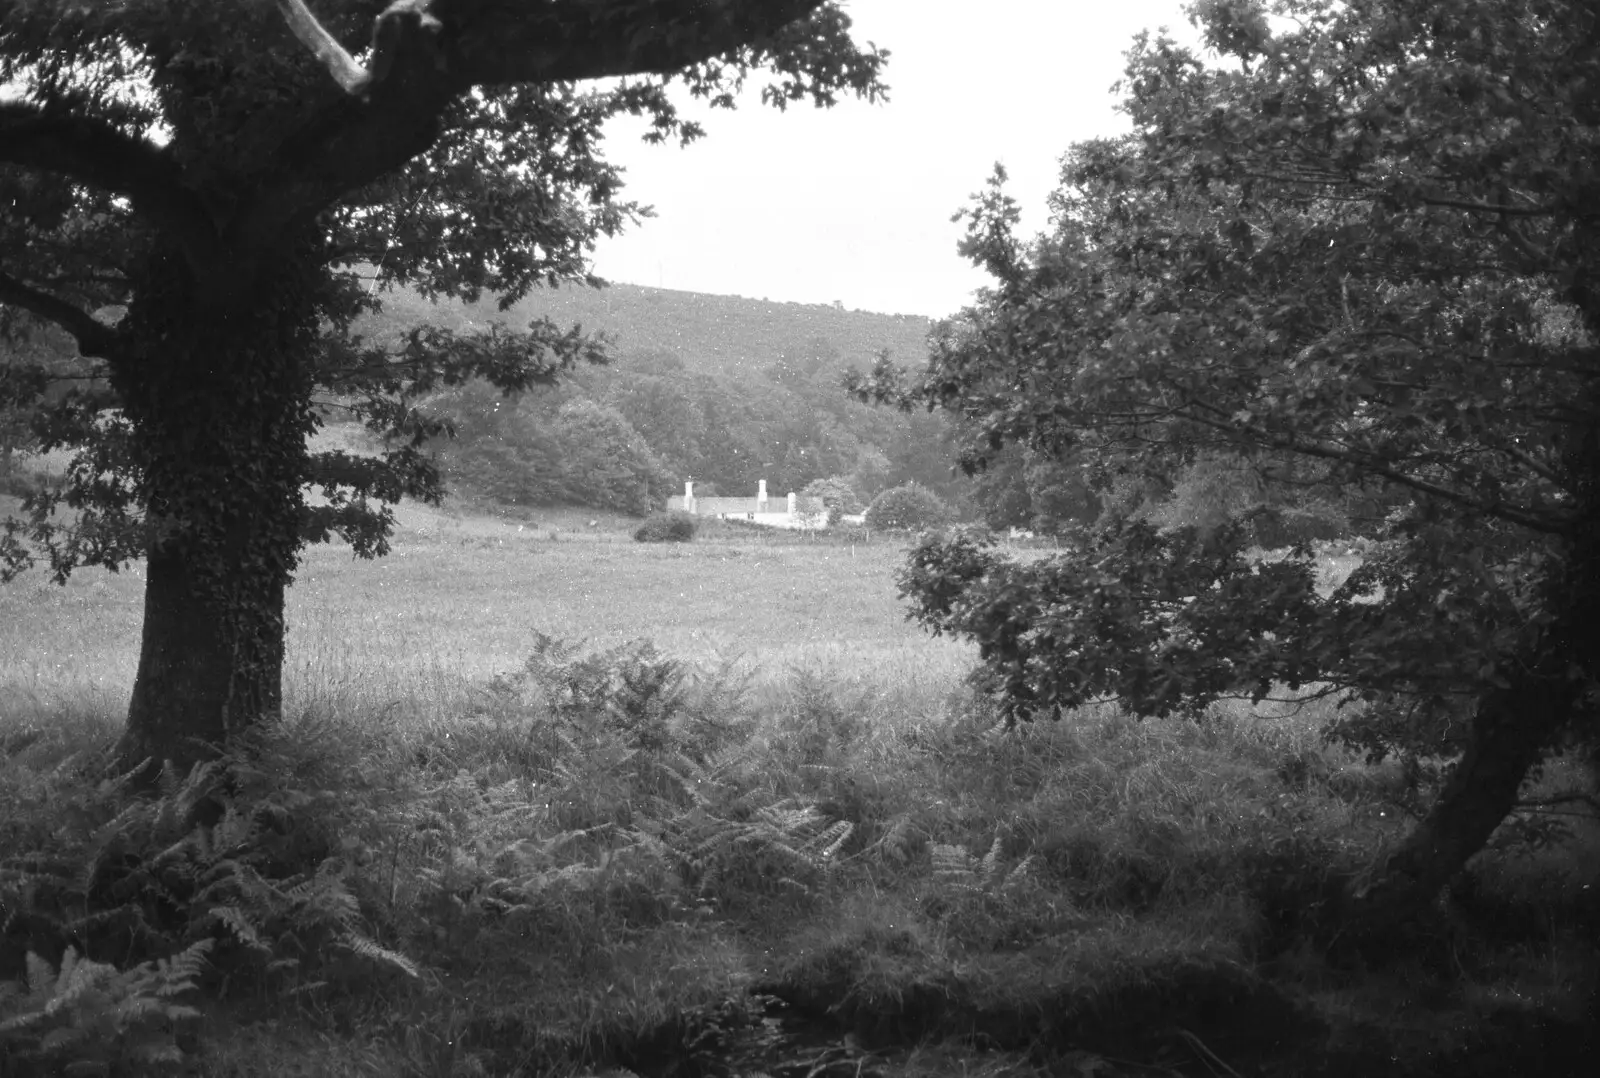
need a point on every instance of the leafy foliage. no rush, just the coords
(907, 507)
(234, 854)
(1153, 619)
(1355, 267)
(650, 797)
(605, 463)
(666, 528)
(90, 1018)
(698, 419)
(839, 499)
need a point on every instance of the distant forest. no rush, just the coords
(719, 389)
(724, 390)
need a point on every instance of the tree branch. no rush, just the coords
(428, 52)
(98, 155)
(492, 42)
(1538, 467)
(351, 76)
(580, 39)
(1526, 517)
(1499, 209)
(94, 338)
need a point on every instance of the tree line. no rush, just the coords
(627, 435)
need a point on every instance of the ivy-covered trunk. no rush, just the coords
(220, 426)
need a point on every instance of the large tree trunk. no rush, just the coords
(1514, 727)
(219, 429)
(210, 659)
(1511, 732)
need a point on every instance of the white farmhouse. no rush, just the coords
(793, 512)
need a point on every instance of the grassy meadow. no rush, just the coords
(782, 838)
(460, 596)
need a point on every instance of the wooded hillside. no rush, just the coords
(721, 389)
(726, 335)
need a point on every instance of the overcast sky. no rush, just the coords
(854, 203)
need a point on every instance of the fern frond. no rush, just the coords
(63, 1037)
(953, 865)
(41, 975)
(1020, 873)
(726, 760)
(179, 972)
(202, 782)
(237, 922)
(235, 831)
(991, 862)
(374, 952)
(89, 922)
(193, 846)
(900, 838)
(329, 900)
(788, 820)
(828, 842)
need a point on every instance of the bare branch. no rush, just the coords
(1498, 208)
(94, 338)
(1538, 467)
(354, 79)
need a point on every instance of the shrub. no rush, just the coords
(836, 495)
(673, 527)
(909, 506)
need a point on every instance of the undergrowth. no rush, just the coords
(608, 841)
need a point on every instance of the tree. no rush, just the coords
(1023, 489)
(909, 506)
(503, 450)
(605, 464)
(192, 198)
(1370, 246)
(837, 496)
(1215, 490)
(662, 408)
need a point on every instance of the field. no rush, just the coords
(461, 596)
(783, 838)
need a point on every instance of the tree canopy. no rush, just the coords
(1357, 259)
(205, 195)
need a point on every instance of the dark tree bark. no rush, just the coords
(1511, 733)
(222, 419)
(1515, 727)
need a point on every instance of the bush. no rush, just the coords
(909, 507)
(673, 527)
(836, 495)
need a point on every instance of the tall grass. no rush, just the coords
(461, 598)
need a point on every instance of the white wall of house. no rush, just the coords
(758, 510)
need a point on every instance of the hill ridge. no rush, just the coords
(710, 332)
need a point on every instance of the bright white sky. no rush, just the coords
(854, 203)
